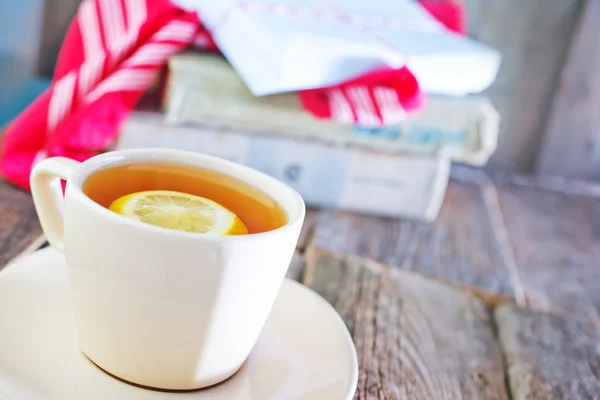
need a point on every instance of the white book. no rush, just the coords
(324, 175)
(204, 89)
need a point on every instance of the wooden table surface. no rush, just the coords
(498, 299)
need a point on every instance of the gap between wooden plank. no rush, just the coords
(490, 199)
(416, 338)
(460, 248)
(571, 133)
(548, 356)
(533, 37)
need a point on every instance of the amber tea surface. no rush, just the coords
(256, 209)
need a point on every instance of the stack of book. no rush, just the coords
(399, 170)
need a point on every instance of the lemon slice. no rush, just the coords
(181, 211)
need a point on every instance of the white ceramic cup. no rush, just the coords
(158, 307)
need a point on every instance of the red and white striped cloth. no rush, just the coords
(112, 53)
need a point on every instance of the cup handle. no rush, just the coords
(47, 196)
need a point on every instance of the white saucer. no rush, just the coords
(304, 351)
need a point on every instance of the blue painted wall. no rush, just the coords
(20, 29)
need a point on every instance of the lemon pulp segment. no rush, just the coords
(180, 211)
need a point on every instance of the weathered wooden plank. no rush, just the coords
(383, 239)
(570, 146)
(460, 247)
(19, 228)
(296, 266)
(415, 338)
(556, 244)
(549, 356)
(57, 17)
(533, 37)
(307, 228)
